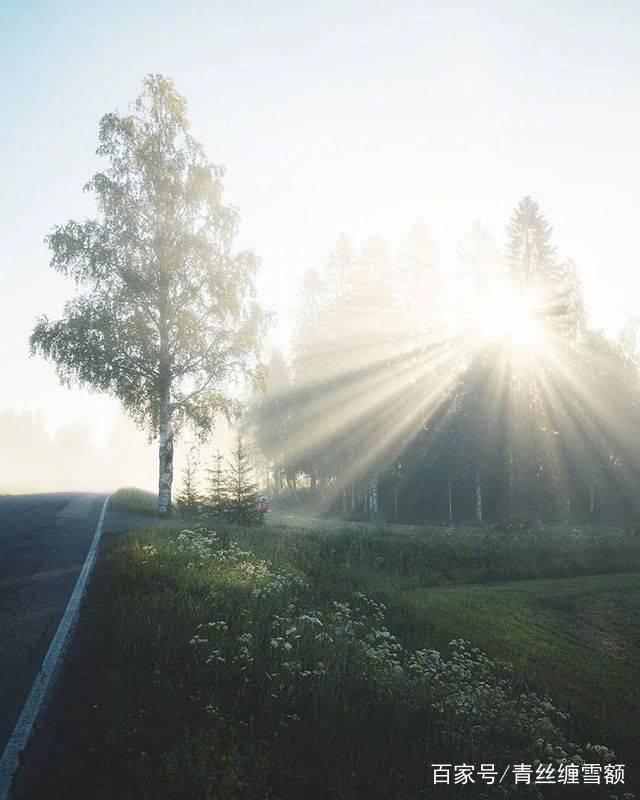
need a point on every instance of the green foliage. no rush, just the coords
(231, 496)
(159, 271)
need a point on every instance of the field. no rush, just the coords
(577, 638)
(318, 664)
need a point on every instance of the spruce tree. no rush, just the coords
(477, 256)
(189, 502)
(530, 255)
(242, 493)
(419, 282)
(217, 495)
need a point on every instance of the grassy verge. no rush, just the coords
(576, 638)
(206, 672)
(136, 500)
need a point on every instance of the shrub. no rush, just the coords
(136, 500)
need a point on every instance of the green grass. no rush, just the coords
(138, 501)
(256, 706)
(438, 555)
(576, 638)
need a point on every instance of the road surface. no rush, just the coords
(44, 540)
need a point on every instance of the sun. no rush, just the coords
(511, 316)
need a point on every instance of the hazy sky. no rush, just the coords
(334, 116)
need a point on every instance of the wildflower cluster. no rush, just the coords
(199, 544)
(142, 554)
(478, 701)
(205, 548)
(266, 581)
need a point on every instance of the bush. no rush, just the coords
(136, 500)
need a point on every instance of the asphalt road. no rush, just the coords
(44, 540)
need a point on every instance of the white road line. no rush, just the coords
(20, 735)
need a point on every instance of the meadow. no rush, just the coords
(283, 663)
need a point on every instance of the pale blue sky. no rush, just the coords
(354, 116)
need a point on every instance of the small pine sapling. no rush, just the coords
(217, 496)
(189, 502)
(243, 499)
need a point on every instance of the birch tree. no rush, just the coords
(166, 315)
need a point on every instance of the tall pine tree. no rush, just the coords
(530, 254)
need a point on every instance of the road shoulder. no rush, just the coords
(74, 698)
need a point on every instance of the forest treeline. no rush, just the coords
(482, 392)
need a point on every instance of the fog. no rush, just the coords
(32, 459)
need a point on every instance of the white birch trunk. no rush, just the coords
(478, 497)
(165, 474)
(373, 496)
(450, 499)
(592, 496)
(511, 482)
